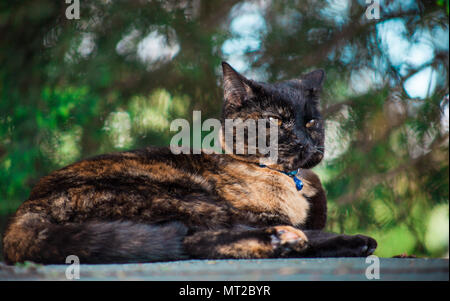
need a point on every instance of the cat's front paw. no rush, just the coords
(286, 240)
(364, 245)
(354, 246)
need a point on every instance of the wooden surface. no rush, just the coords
(268, 269)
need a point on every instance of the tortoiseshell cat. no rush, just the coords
(151, 205)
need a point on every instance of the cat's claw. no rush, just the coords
(287, 239)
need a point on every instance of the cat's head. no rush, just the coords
(292, 104)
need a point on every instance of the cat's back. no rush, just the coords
(121, 170)
(130, 185)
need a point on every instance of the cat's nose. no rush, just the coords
(299, 142)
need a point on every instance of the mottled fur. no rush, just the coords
(152, 205)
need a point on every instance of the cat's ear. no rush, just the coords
(313, 81)
(236, 88)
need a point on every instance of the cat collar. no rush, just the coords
(293, 174)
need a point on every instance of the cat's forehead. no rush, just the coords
(290, 92)
(291, 99)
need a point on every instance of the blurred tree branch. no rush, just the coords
(356, 28)
(375, 179)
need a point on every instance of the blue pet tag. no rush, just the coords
(298, 183)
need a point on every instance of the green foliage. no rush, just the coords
(70, 89)
(444, 3)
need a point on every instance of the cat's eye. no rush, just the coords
(276, 120)
(312, 123)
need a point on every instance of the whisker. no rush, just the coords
(319, 151)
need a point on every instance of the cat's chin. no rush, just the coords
(306, 163)
(312, 162)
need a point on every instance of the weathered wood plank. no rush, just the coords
(269, 269)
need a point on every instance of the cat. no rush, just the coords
(152, 205)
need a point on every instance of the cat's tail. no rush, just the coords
(31, 237)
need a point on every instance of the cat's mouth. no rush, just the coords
(307, 160)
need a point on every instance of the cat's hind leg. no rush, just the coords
(271, 242)
(32, 237)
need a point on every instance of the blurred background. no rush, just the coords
(116, 77)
